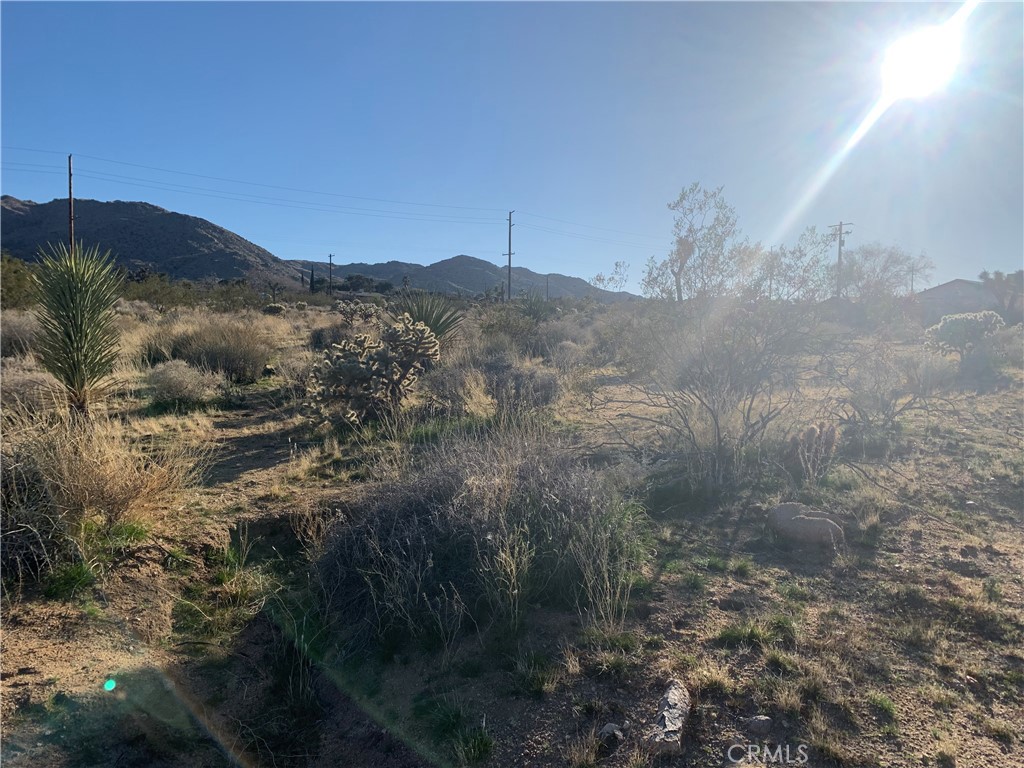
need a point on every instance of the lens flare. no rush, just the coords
(914, 66)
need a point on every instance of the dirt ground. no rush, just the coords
(904, 651)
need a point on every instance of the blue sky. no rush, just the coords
(408, 131)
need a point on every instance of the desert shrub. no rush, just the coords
(453, 392)
(15, 283)
(24, 383)
(18, 330)
(504, 326)
(140, 310)
(326, 336)
(364, 379)
(568, 357)
(721, 377)
(301, 306)
(76, 290)
(875, 387)
(273, 309)
(177, 383)
(236, 347)
(518, 388)
(1007, 347)
(69, 481)
(499, 519)
(436, 312)
(295, 367)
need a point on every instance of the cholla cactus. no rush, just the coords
(367, 377)
(351, 311)
(814, 450)
(273, 309)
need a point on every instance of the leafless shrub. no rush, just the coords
(722, 377)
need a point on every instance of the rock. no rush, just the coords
(802, 525)
(673, 711)
(611, 737)
(759, 725)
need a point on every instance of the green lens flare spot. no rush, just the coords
(110, 685)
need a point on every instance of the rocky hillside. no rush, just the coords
(466, 275)
(187, 247)
(141, 235)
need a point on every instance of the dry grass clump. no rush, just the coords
(177, 383)
(18, 329)
(24, 383)
(483, 525)
(238, 347)
(67, 478)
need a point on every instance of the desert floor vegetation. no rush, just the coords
(330, 535)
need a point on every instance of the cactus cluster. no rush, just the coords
(273, 309)
(362, 379)
(812, 451)
(351, 311)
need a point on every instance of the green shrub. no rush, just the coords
(16, 284)
(325, 337)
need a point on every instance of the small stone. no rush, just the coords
(759, 725)
(611, 737)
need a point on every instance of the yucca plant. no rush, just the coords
(76, 290)
(436, 312)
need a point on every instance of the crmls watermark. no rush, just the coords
(764, 754)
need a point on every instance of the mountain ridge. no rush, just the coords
(143, 235)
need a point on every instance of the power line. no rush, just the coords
(260, 184)
(585, 237)
(275, 202)
(588, 226)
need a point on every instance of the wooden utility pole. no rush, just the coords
(71, 209)
(840, 234)
(547, 287)
(330, 274)
(508, 296)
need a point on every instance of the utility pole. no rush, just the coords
(330, 274)
(547, 286)
(71, 210)
(840, 234)
(508, 296)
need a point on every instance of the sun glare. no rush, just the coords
(921, 63)
(914, 66)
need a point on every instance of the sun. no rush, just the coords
(921, 63)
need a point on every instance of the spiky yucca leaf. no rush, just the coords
(76, 290)
(435, 312)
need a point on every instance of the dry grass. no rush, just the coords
(66, 477)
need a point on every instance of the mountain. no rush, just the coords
(468, 276)
(187, 247)
(141, 235)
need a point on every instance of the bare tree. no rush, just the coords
(616, 281)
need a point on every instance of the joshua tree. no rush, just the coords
(76, 290)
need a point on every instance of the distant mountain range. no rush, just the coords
(141, 235)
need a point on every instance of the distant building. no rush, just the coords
(952, 298)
